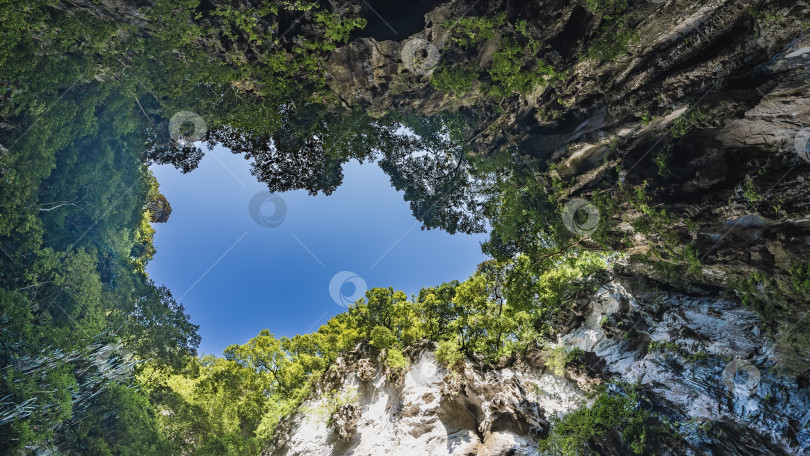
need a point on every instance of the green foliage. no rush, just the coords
(778, 304)
(232, 405)
(794, 344)
(87, 102)
(516, 69)
(493, 313)
(661, 161)
(750, 192)
(646, 118)
(612, 40)
(456, 81)
(696, 356)
(382, 337)
(449, 353)
(236, 22)
(337, 28)
(395, 359)
(331, 401)
(752, 292)
(75, 190)
(504, 307)
(683, 124)
(606, 8)
(619, 414)
(669, 255)
(124, 423)
(664, 345)
(560, 357)
(614, 35)
(470, 30)
(523, 215)
(440, 183)
(800, 278)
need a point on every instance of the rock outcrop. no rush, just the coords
(432, 410)
(701, 362)
(704, 361)
(709, 114)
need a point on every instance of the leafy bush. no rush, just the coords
(561, 357)
(448, 353)
(606, 8)
(395, 359)
(800, 278)
(515, 66)
(337, 28)
(619, 413)
(382, 337)
(456, 81)
(471, 30)
(516, 69)
(612, 41)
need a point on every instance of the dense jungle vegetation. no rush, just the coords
(84, 104)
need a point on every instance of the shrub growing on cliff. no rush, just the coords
(800, 278)
(615, 417)
(516, 69)
(561, 357)
(612, 41)
(516, 66)
(381, 337)
(472, 30)
(395, 359)
(456, 81)
(606, 8)
(448, 353)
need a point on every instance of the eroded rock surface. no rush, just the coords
(719, 95)
(433, 411)
(687, 353)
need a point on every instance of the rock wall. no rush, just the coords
(428, 410)
(731, 75)
(704, 361)
(736, 189)
(700, 361)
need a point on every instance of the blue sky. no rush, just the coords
(236, 277)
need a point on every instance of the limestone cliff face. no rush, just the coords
(708, 112)
(503, 409)
(719, 90)
(429, 410)
(685, 351)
